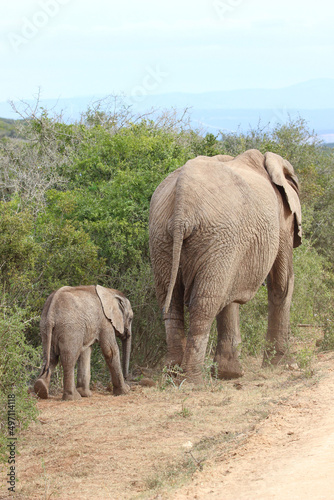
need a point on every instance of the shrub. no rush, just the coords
(86, 220)
(18, 360)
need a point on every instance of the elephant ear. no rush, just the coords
(282, 175)
(111, 307)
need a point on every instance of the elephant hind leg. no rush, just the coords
(280, 284)
(229, 338)
(83, 375)
(194, 354)
(68, 360)
(174, 325)
(41, 386)
(176, 339)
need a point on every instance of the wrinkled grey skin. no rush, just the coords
(73, 318)
(218, 228)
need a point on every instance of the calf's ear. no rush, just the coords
(111, 307)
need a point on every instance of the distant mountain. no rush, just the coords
(226, 110)
(315, 94)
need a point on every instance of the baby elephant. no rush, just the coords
(73, 318)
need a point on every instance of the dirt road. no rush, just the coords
(290, 455)
(269, 435)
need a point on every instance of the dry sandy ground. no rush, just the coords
(268, 436)
(290, 455)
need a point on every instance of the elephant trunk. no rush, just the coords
(126, 349)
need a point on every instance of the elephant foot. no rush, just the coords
(119, 391)
(72, 396)
(84, 393)
(277, 359)
(173, 360)
(197, 380)
(41, 389)
(229, 369)
(191, 377)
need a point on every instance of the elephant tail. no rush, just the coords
(47, 349)
(46, 328)
(178, 236)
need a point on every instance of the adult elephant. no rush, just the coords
(219, 227)
(73, 318)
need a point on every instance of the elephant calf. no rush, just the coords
(73, 318)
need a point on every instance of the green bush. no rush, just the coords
(75, 206)
(18, 360)
(253, 323)
(310, 298)
(311, 303)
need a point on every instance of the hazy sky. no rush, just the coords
(98, 47)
